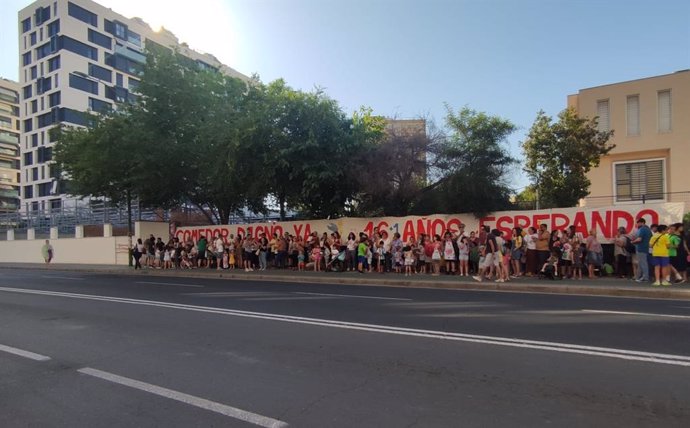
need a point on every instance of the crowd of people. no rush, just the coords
(484, 255)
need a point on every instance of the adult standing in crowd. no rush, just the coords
(641, 242)
(531, 259)
(595, 254)
(542, 245)
(677, 253)
(620, 253)
(138, 252)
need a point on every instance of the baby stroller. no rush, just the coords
(549, 272)
(337, 261)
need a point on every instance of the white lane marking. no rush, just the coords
(678, 360)
(170, 283)
(22, 353)
(351, 296)
(642, 314)
(63, 277)
(223, 409)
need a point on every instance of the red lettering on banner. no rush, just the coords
(382, 226)
(420, 227)
(369, 228)
(438, 227)
(622, 215)
(580, 223)
(277, 229)
(504, 224)
(307, 230)
(453, 225)
(601, 224)
(558, 225)
(241, 231)
(224, 234)
(408, 230)
(298, 229)
(195, 235)
(537, 218)
(653, 216)
(521, 221)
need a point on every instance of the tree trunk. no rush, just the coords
(281, 201)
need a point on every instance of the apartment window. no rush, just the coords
(53, 63)
(28, 158)
(26, 58)
(100, 39)
(34, 174)
(99, 106)
(44, 189)
(73, 116)
(633, 115)
(639, 180)
(664, 110)
(34, 72)
(28, 192)
(82, 14)
(32, 38)
(54, 99)
(118, 80)
(26, 25)
(44, 154)
(46, 49)
(34, 140)
(28, 125)
(27, 91)
(133, 84)
(79, 48)
(34, 106)
(54, 28)
(43, 84)
(83, 84)
(41, 15)
(603, 114)
(100, 73)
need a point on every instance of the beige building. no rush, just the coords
(9, 145)
(77, 56)
(649, 118)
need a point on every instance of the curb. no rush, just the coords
(576, 290)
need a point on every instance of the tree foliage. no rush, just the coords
(472, 164)
(560, 154)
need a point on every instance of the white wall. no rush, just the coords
(110, 251)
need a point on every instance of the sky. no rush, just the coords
(407, 59)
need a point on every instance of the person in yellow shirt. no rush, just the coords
(660, 244)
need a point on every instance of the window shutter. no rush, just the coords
(664, 107)
(603, 113)
(633, 115)
(638, 180)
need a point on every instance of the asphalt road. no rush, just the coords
(100, 351)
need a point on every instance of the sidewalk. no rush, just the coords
(597, 287)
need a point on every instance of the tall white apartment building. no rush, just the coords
(9, 145)
(77, 56)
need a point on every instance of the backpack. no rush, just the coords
(629, 246)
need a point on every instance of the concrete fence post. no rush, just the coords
(53, 233)
(30, 234)
(10, 234)
(107, 230)
(79, 231)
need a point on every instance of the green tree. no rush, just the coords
(98, 160)
(560, 154)
(312, 149)
(472, 165)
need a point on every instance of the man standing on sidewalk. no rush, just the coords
(641, 242)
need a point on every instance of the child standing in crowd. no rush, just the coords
(578, 260)
(449, 253)
(226, 259)
(409, 260)
(167, 259)
(362, 254)
(231, 257)
(316, 255)
(463, 257)
(184, 260)
(380, 257)
(300, 258)
(566, 260)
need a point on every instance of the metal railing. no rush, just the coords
(74, 213)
